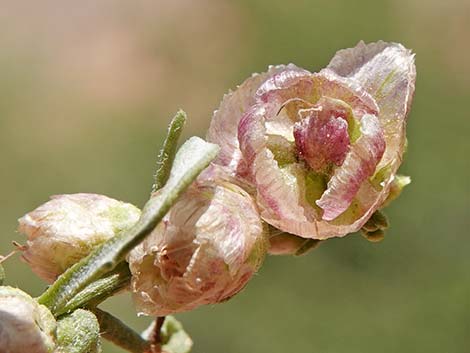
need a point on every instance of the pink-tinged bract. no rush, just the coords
(65, 229)
(320, 150)
(203, 252)
(25, 325)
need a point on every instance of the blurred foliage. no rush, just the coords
(87, 90)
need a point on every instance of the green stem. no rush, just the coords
(120, 334)
(168, 151)
(192, 158)
(96, 292)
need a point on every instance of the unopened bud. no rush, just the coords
(65, 229)
(203, 252)
(375, 236)
(25, 325)
(78, 332)
(377, 221)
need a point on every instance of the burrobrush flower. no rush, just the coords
(320, 149)
(25, 326)
(203, 252)
(66, 229)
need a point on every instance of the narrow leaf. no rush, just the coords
(98, 291)
(168, 151)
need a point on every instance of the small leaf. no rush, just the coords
(168, 151)
(174, 337)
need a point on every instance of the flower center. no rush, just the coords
(324, 134)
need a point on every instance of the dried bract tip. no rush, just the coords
(25, 325)
(375, 236)
(65, 229)
(396, 188)
(377, 221)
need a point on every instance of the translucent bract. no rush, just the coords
(320, 150)
(204, 251)
(25, 326)
(65, 229)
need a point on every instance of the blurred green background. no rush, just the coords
(86, 91)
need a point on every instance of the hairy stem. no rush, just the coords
(114, 330)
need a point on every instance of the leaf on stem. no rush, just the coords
(168, 151)
(99, 290)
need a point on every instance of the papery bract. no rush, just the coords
(66, 229)
(25, 326)
(204, 251)
(320, 150)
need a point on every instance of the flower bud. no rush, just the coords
(25, 325)
(321, 150)
(65, 229)
(377, 221)
(203, 252)
(374, 236)
(78, 332)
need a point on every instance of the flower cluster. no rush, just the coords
(303, 157)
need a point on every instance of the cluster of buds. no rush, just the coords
(303, 157)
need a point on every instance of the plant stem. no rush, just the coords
(120, 334)
(192, 158)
